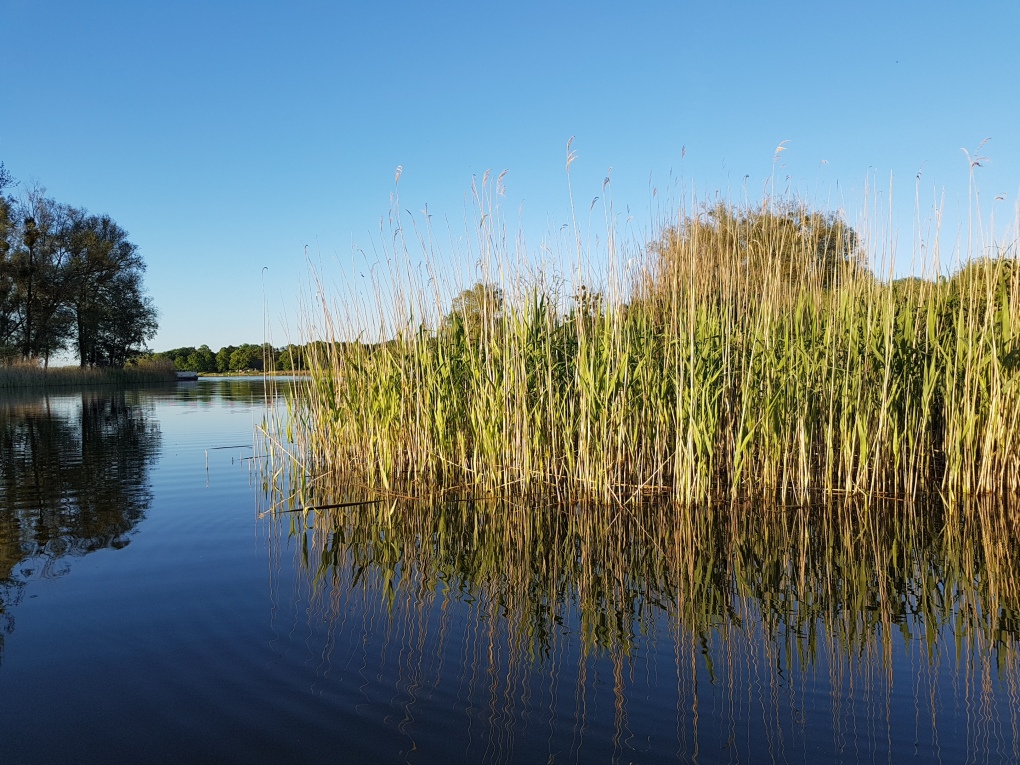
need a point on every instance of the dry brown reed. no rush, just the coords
(32, 375)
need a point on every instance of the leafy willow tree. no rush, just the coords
(69, 280)
(475, 309)
(725, 249)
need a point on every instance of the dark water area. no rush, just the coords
(163, 598)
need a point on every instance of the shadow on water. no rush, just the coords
(74, 478)
(846, 633)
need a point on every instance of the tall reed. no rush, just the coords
(753, 353)
(31, 375)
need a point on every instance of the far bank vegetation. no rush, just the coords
(246, 357)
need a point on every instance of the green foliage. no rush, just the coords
(223, 358)
(756, 358)
(202, 359)
(112, 313)
(69, 280)
(177, 356)
(247, 357)
(761, 250)
(291, 358)
(475, 308)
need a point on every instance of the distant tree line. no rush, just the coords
(246, 357)
(69, 281)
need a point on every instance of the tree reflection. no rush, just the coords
(73, 479)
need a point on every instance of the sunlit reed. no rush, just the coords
(749, 352)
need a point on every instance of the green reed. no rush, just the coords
(744, 359)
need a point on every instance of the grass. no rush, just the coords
(29, 375)
(753, 353)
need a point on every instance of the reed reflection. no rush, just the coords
(73, 479)
(721, 634)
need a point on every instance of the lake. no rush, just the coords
(166, 594)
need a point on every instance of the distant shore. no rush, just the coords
(275, 373)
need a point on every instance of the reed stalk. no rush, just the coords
(31, 375)
(748, 356)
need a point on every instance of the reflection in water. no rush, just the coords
(217, 389)
(849, 633)
(73, 479)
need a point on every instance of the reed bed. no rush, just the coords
(31, 375)
(750, 352)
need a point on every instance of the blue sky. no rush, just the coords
(225, 137)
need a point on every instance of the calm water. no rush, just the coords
(158, 603)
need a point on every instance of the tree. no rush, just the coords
(39, 275)
(112, 316)
(476, 308)
(6, 179)
(126, 325)
(246, 357)
(727, 248)
(69, 280)
(202, 360)
(223, 358)
(179, 356)
(9, 314)
(292, 358)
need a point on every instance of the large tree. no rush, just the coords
(126, 323)
(112, 315)
(69, 279)
(40, 278)
(725, 248)
(8, 301)
(475, 309)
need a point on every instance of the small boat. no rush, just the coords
(187, 376)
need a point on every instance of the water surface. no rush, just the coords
(158, 602)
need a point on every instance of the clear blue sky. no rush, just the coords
(227, 136)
